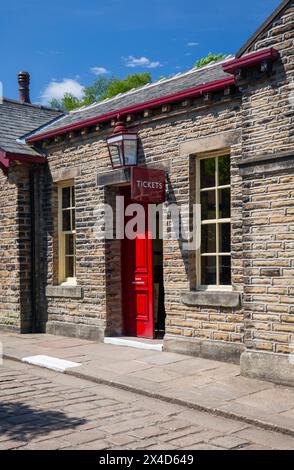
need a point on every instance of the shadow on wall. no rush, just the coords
(23, 423)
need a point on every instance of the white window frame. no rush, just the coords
(72, 281)
(216, 222)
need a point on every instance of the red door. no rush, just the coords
(137, 281)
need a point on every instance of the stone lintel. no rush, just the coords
(212, 143)
(66, 174)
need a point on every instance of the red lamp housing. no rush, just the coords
(122, 146)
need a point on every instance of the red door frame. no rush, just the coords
(137, 281)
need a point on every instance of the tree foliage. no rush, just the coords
(209, 58)
(101, 89)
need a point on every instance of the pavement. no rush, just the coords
(199, 384)
(44, 410)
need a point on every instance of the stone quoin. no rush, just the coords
(222, 137)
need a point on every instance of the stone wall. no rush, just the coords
(15, 250)
(268, 223)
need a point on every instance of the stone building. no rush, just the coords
(222, 135)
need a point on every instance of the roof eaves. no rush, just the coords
(6, 157)
(250, 60)
(198, 90)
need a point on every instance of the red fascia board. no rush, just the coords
(6, 157)
(250, 60)
(4, 162)
(24, 157)
(198, 90)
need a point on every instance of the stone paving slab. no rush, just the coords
(202, 384)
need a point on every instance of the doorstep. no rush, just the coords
(134, 342)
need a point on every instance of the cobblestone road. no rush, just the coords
(40, 409)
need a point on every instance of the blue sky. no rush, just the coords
(65, 44)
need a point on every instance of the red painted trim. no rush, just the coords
(250, 60)
(22, 157)
(198, 90)
(6, 157)
(4, 162)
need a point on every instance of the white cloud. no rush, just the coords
(99, 70)
(132, 61)
(57, 89)
(192, 44)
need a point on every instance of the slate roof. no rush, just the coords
(17, 119)
(161, 88)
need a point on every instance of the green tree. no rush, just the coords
(101, 89)
(67, 102)
(209, 58)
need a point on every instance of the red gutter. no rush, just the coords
(198, 90)
(250, 60)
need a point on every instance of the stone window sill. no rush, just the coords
(211, 298)
(74, 292)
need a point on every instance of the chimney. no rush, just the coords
(24, 87)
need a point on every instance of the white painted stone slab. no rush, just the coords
(133, 344)
(53, 363)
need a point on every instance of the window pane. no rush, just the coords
(116, 154)
(73, 219)
(207, 173)
(208, 205)
(66, 220)
(208, 238)
(224, 171)
(224, 238)
(73, 199)
(225, 270)
(66, 197)
(224, 203)
(69, 244)
(208, 270)
(69, 266)
(130, 149)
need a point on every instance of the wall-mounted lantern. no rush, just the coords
(122, 146)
